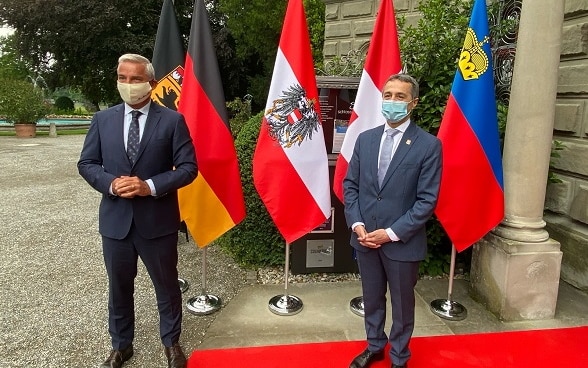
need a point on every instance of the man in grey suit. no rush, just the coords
(137, 154)
(390, 192)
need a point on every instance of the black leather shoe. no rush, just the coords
(175, 356)
(118, 357)
(366, 358)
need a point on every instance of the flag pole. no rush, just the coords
(446, 308)
(285, 304)
(204, 303)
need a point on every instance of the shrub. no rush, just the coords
(21, 102)
(255, 242)
(239, 113)
(64, 103)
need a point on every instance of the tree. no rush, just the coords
(255, 26)
(77, 43)
(315, 17)
(12, 66)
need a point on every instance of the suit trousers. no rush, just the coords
(379, 273)
(160, 257)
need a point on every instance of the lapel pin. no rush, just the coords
(408, 141)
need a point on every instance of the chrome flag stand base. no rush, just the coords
(356, 306)
(184, 286)
(285, 305)
(204, 303)
(446, 308)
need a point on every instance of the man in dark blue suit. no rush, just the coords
(138, 154)
(390, 192)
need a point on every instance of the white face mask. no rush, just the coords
(134, 93)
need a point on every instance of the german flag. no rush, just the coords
(168, 58)
(213, 203)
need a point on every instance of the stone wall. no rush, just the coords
(567, 202)
(349, 24)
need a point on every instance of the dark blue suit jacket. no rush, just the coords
(166, 156)
(408, 195)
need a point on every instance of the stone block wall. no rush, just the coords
(567, 202)
(349, 23)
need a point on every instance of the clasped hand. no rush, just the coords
(374, 239)
(129, 187)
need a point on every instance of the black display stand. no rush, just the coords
(327, 248)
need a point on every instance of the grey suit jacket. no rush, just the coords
(408, 195)
(166, 156)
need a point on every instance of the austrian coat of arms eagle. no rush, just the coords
(292, 118)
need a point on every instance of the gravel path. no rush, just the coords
(53, 296)
(53, 283)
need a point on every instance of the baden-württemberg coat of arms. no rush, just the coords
(292, 117)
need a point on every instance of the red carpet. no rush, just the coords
(521, 349)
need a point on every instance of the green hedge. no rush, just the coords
(255, 242)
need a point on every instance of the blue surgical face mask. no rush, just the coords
(394, 110)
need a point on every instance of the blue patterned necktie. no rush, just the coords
(386, 154)
(133, 137)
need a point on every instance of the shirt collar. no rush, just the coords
(402, 127)
(144, 110)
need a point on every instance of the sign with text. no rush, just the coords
(336, 97)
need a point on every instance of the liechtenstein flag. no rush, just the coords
(471, 198)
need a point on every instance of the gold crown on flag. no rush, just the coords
(473, 60)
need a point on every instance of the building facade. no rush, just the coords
(567, 202)
(348, 28)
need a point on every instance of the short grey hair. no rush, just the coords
(136, 58)
(406, 79)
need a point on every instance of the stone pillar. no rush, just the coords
(52, 130)
(515, 269)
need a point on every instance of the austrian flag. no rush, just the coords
(290, 164)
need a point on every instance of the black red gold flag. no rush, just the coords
(213, 203)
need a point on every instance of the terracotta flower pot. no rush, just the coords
(25, 130)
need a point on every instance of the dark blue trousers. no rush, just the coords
(379, 273)
(160, 257)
